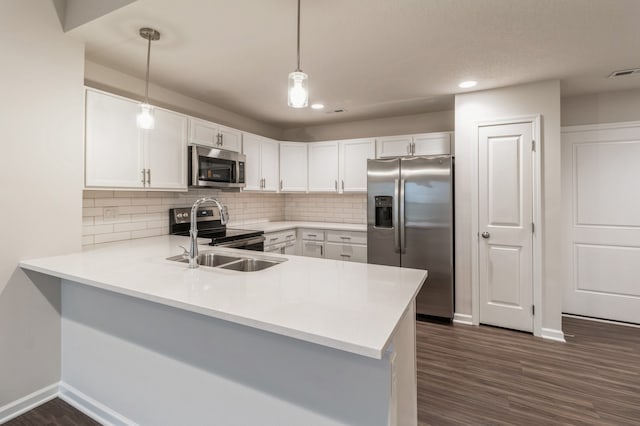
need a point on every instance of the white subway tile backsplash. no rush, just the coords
(143, 214)
(112, 202)
(132, 209)
(116, 236)
(97, 229)
(131, 226)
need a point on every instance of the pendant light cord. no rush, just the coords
(297, 69)
(146, 86)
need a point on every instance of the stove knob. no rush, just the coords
(180, 215)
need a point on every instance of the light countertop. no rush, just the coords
(284, 225)
(349, 306)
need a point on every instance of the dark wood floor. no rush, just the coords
(490, 376)
(53, 413)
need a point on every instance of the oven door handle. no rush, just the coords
(243, 242)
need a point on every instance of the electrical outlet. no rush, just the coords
(110, 213)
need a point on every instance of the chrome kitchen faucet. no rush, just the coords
(193, 233)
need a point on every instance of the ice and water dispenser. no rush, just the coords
(384, 211)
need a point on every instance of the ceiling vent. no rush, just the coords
(623, 73)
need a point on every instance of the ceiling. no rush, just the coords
(373, 58)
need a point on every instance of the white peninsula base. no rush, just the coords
(131, 361)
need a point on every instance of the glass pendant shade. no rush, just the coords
(298, 89)
(145, 119)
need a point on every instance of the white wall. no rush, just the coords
(41, 115)
(597, 108)
(441, 121)
(536, 98)
(114, 81)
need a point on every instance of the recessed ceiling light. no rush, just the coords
(317, 106)
(467, 84)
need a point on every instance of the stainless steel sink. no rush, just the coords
(251, 265)
(233, 263)
(208, 259)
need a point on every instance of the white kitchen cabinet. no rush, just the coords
(349, 246)
(283, 242)
(206, 133)
(346, 252)
(166, 151)
(353, 164)
(432, 144)
(119, 155)
(323, 167)
(394, 146)
(230, 139)
(420, 144)
(313, 248)
(293, 167)
(261, 167)
(312, 242)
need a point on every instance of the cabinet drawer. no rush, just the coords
(311, 235)
(347, 252)
(280, 237)
(347, 237)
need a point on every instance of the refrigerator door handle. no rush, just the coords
(396, 224)
(403, 235)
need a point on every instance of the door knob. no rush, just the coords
(485, 234)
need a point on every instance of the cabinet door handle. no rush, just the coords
(409, 149)
(312, 235)
(264, 183)
(321, 251)
(413, 148)
(345, 238)
(343, 186)
(345, 255)
(336, 185)
(149, 177)
(280, 184)
(144, 180)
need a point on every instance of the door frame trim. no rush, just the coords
(535, 121)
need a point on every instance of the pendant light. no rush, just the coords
(145, 119)
(298, 80)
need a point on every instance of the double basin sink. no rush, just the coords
(234, 263)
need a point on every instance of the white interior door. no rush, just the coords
(600, 176)
(505, 189)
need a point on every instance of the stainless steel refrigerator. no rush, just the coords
(410, 223)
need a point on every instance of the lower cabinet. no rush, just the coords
(313, 248)
(348, 252)
(283, 242)
(350, 246)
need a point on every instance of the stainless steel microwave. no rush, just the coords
(216, 168)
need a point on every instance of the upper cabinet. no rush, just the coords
(261, 171)
(407, 145)
(323, 167)
(119, 155)
(293, 167)
(213, 135)
(432, 144)
(353, 163)
(394, 146)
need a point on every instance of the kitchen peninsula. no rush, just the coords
(307, 341)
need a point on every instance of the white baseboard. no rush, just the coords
(462, 319)
(29, 402)
(92, 408)
(551, 334)
(624, 324)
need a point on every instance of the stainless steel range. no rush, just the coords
(210, 227)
